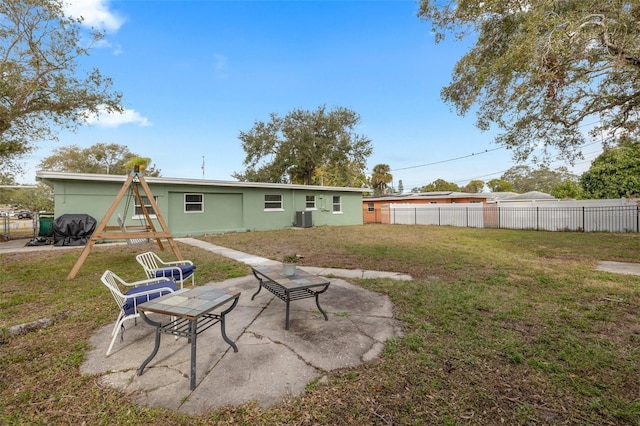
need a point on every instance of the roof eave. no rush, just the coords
(49, 176)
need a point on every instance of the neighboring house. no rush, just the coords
(376, 209)
(192, 207)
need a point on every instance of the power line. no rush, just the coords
(449, 160)
(503, 171)
(486, 151)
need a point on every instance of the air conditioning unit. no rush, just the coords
(303, 219)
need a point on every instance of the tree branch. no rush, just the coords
(601, 21)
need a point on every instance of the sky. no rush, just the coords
(195, 73)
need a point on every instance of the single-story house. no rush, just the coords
(192, 207)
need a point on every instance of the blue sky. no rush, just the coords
(194, 73)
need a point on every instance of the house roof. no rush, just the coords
(528, 196)
(46, 176)
(502, 195)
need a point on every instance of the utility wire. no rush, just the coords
(480, 153)
(449, 160)
(503, 171)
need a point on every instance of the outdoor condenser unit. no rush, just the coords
(303, 219)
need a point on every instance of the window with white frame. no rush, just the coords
(337, 204)
(193, 203)
(273, 202)
(138, 213)
(370, 207)
(311, 202)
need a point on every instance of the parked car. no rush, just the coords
(24, 214)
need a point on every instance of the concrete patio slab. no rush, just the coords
(272, 363)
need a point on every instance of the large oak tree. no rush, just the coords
(41, 88)
(544, 71)
(291, 149)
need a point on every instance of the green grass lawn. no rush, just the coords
(500, 327)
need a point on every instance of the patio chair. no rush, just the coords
(178, 270)
(137, 292)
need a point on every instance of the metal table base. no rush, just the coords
(288, 288)
(189, 327)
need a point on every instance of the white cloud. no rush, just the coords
(95, 13)
(115, 119)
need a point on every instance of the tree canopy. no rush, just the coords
(568, 189)
(543, 71)
(111, 159)
(438, 185)
(351, 175)
(291, 149)
(474, 186)
(499, 185)
(525, 179)
(40, 88)
(615, 173)
(34, 199)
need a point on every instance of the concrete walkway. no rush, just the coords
(619, 267)
(272, 363)
(258, 261)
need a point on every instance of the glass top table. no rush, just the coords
(191, 312)
(287, 288)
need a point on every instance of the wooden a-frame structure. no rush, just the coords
(104, 232)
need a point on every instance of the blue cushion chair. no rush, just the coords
(129, 295)
(177, 270)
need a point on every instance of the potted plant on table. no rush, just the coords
(289, 263)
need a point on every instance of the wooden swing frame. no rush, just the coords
(104, 232)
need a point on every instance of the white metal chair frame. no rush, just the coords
(114, 283)
(151, 263)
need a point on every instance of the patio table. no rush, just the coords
(302, 285)
(191, 314)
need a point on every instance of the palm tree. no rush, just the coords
(143, 162)
(381, 178)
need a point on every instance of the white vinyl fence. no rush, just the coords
(581, 216)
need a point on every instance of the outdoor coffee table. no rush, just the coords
(302, 285)
(191, 314)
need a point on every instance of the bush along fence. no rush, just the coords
(622, 218)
